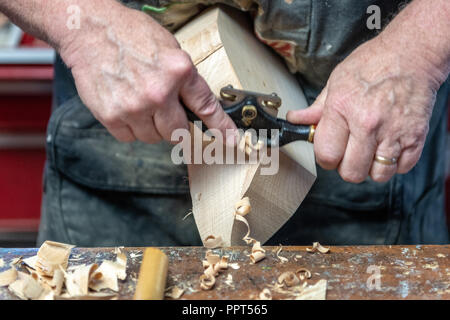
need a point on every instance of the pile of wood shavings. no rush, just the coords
(49, 276)
(212, 265)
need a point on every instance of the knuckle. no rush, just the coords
(111, 119)
(369, 122)
(134, 108)
(181, 65)
(159, 97)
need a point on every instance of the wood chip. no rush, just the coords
(288, 278)
(303, 273)
(78, 280)
(282, 259)
(57, 281)
(51, 255)
(26, 287)
(2, 263)
(229, 281)
(212, 242)
(174, 292)
(318, 247)
(30, 262)
(234, 266)
(207, 281)
(258, 253)
(265, 294)
(8, 276)
(243, 206)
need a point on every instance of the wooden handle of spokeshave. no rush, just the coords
(152, 275)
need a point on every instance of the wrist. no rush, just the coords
(419, 37)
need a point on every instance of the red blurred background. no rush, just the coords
(25, 101)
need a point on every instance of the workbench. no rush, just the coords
(406, 272)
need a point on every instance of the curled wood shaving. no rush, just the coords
(303, 273)
(212, 266)
(318, 247)
(288, 278)
(242, 208)
(51, 255)
(207, 281)
(8, 276)
(265, 294)
(258, 253)
(77, 282)
(212, 242)
(174, 292)
(282, 259)
(2, 263)
(187, 215)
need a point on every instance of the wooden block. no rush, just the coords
(225, 51)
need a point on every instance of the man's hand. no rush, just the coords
(377, 102)
(131, 73)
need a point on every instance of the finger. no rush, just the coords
(408, 159)
(144, 129)
(381, 172)
(310, 115)
(358, 157)
(330, 140)
(168, 119)
(123, 134)
(198, 97)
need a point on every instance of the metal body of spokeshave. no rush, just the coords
(251, 110)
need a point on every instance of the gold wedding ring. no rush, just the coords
(386, 161)
(312, 130)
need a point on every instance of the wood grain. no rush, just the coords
(225, 51)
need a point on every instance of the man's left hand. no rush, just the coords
(377, 102)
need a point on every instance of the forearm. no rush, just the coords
(48, 20)
(422, 31)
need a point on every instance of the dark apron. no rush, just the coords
(100, 192)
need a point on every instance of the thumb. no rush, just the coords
(310, 115)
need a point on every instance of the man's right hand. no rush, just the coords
(131, 73)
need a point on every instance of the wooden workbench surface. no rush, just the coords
(407, 272)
